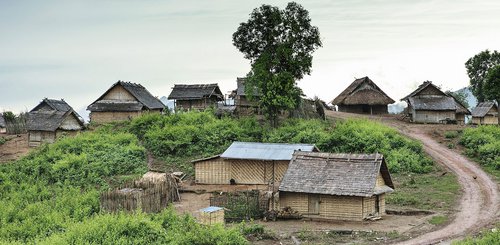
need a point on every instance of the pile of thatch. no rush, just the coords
(152, 193)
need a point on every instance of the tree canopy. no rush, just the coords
(492, 84)
(478, 68)
(279, 45)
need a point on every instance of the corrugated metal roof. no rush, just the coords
(210, 209)
(264, 151)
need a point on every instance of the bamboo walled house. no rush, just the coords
(245, 106)
(336, 186)
(485, 113)
(428, 104)
(50, 119)
(123, 101)
(363, 96)
(195, 96)
(248, 163)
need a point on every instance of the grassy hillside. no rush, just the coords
(483, 144)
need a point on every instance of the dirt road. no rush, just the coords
(14, 148)
(479, 205)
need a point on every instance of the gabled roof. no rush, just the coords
(264, 151)
(336, 174)
(439, 103)
(49, 120)
(362, 91)
(483, 108)
(2, 121)
(138, 91)
(58, 105)
(195, 91)
(421, 87)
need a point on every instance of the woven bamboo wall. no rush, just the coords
(382, 204)
(297, 201)
(105, 117)
(213, 171)
(380, 180)
(248, 171)
(280, 168)
(36, 138)
(119, 93)
(341, 207)
(490, 120)
(368, 206)
(432, 116)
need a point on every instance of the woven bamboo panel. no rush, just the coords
(380, 180)
(297, 201)
(119, 93)
(280, 169)
(490, 120)
(368, 206)
(105, 117)
(382, 204)
(213, 171)
(341, 207)
(248, 172)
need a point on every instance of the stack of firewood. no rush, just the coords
(288, 213)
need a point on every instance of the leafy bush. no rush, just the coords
(450, 134)
(483, 143)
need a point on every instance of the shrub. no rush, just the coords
(450, 134)
(483, 143)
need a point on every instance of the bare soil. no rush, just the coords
(479, 204)
(15, 147)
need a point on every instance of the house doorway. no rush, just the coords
(313, 204)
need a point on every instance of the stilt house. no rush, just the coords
(248, 163)
(363, 96)
(195, 96)
(428, 104)
(50, 119)
(123, 101)
(336, 186)
(485, 113)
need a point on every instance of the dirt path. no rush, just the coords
(14, 148)
(479, 205)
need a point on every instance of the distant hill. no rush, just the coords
(471, 99)
(169, 103)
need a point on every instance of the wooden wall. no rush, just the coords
(70, 123)
(364, 109)
(422, 116)
(105, 117)
(199, 104)
(486, 120)
(119, 93)
(36, 138)
(221, 171)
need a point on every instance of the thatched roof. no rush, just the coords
(460, 107)
(421, 87)
(57, 105)
(140, 93)
(438, 103)
(50, 120)
(336, 174)
(483, 108)
(2, 121)
(362, 91)
(264, 151)
(195, 91)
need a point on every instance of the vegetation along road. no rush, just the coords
(479, 205)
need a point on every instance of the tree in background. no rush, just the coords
(492, 86)
(478, 68)
(461, 96)
(279, 45)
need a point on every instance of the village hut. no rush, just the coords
(485, 113)
(336, 186)
(363, 96)
(195, 96)
(50, 119)
(245, 106)
(3, 125)
(211, 215)
(123, 101)
(428, 104)
(248, 163)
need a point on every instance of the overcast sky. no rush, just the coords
(77, 49)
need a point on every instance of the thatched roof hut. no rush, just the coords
(50, 119)
(123, 101)
(485, 113)
(363, 96)
(336, 186)
(428, 104)
(195, 96)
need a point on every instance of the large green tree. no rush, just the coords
(279, 44)
(478, 68)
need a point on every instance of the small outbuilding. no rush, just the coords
(336, 186)
(196, 96)
(3, 125)
(363, 96)
(248, 163)
(211, 215)
(123, 101)
(51, 119)
(428, 104)
(485, 113)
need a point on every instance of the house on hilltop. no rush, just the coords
(195, 96)
(248, 163)
(336, 186)
(485, 113)
(51, 119)
(428, 104)
(363, 96)
(123, 101)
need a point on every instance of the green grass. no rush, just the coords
(356, 237)
(438, 220)
(450, 134)
(425, 191)
(488, 237)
